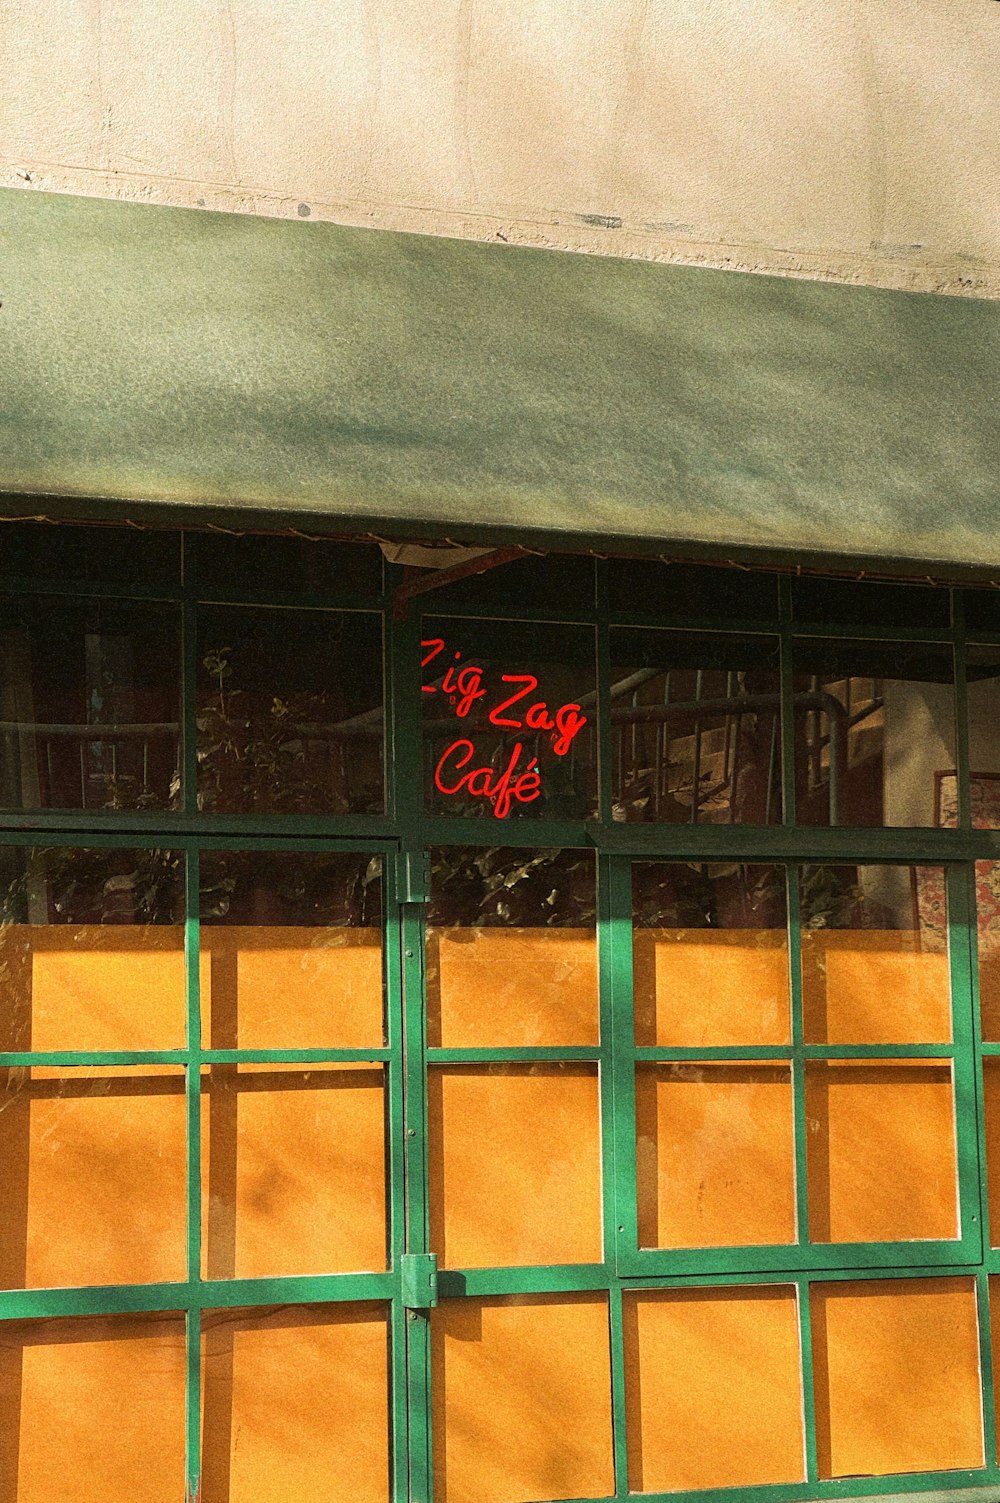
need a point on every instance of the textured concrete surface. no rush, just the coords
(404, 382)
(848, 139)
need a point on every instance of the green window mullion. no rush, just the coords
(192, 1084)
(192, 1404)
(961, 918)
(986, 1369)
(807, 1374)
(798, 1066)
(617, 955)
(396, 1170)
(619, 1418)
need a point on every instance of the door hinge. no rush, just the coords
(419, 1280)
(413, 876)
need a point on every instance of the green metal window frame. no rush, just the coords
(402, 836)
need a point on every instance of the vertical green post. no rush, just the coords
(962, 776)
(192, 1076)
(808, 1380)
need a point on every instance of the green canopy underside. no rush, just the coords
(222, 366)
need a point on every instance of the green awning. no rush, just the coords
(178, 363)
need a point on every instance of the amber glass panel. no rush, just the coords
(874, 724)
(511, 948)
(291, 950)
(988, 919)
(880, 1156)
(521, 1399)
(91, 949)
(697, 1363)
(92, 1408)
(875, 955)
(290, 711)
(896, 1365)
(293, 1170)
(991, 1104)
(695, 727)
(709, 955)
(89, 704)
(92, 1176)
(515, 1165)
(295, 1405)
(714, 1155)
(509, 712)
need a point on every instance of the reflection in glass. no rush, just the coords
(709, 954)
(91, 949)
(991, 1112)
(988, 925)
(293, 1170)
(521, 1398)
(875, 955)
(509, 713)
(695, 721)
(982, 670)
(92, 1407)
(715, 1160)
(697, 1362)
(897, 1386)
(290, 712)
(291, 950)
(874, 725)
(89, 704)
(511, 948)
(514, 1164)
(323, 1371)
(92, 1176)
(880, 1150)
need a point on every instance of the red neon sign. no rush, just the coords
(520, 781)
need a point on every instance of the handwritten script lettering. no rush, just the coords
(461, 768)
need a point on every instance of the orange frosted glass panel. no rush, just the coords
(994, 1284)
(515, 1165)
(896, 1365)
(511, 988)
(880, 1155)
(697, 1363)
(715, 1162)
(295, 1405)
(92, 1409)
(293, 1170)
(875, 986)
(988, 914)
(991, 1102)
(92, 986)
(718, 987)
(521, 1399)
(92, 1176)
(272, 987)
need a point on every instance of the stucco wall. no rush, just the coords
(851, 139)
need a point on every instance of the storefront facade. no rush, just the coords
(529, 1036)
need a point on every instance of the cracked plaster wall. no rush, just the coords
(855, 140)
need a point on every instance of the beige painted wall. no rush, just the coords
(852, 139)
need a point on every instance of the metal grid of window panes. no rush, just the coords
(543, 1045)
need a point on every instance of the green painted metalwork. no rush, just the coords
(404, 832)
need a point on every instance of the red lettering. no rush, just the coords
(569, 723)
(539, 719)
(448, 682)
(480, 782)
(436, 645)
(460, 762)
(531, 684)
(469, 686)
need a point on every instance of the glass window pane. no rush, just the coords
(91, 949)
(290, 712)
(983, 693)
(691, 592)
(991, 1107)
(117, 557)
(508, 716)
(875, 955)
(256, 568)
(874, 726)
(293, 1170)
(515, 1164)
(862, 602)
(881, 1162)
(695, 728)
(715, 1162)
(92, 1176)
(550, 581)
(295, 1404)
(896, 1365)
(988, 922)
(697, 1364)
(89, 704)
(709, 954)
(521, 1398)
(291, 950)
(92, 1408)
(511, 948)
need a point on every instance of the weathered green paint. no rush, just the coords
(237, 367)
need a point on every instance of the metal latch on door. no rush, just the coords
(419, 1279)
